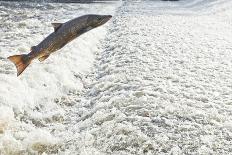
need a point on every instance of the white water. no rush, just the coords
(33, 106)
(155, 80)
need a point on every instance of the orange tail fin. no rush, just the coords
(21, 62)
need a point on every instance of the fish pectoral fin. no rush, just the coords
(43, 58)
(56, 26)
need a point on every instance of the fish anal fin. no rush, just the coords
(56, 26)
(43, 58)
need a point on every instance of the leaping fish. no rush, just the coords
(63, 34)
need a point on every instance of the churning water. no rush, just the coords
(155, 80)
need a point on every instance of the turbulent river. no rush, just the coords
(156, 79)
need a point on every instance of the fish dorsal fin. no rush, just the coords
(56, 26)
(33, 48)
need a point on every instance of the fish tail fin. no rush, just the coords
(21, 62)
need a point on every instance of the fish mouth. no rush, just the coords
(105, 19)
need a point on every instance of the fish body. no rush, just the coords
(62, 35)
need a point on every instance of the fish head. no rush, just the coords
(98, 20)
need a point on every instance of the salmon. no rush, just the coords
(62, 35)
